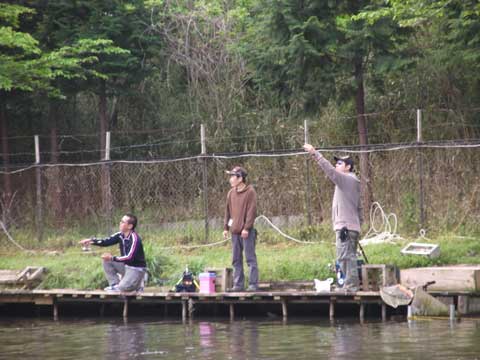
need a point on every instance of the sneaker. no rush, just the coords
(112, 288)
(252, 288)
(237, 289)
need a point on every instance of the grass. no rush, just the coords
(278, 258)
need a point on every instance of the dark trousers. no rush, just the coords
(238, 246)
(347, 258)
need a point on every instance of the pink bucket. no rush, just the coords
(207, 282)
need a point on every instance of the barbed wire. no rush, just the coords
(354, 149)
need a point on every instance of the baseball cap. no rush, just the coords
(238, 171)
(346, 159)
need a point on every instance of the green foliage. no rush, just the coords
(73, 268)
(410, 215)
(23, 65)
(10, 14)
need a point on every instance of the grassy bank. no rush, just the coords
(278, 260)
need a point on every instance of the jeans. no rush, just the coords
(238, 246)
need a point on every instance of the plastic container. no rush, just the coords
(207, 282)
(323, 286)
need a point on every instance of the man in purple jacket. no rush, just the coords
(127, 271)
(346, 213)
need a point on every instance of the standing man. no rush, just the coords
(346, 213)
(130, 266)
(240, 214)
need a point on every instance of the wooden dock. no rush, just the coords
(188, 301)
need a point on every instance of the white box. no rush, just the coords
(430, 250)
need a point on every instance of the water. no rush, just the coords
(313, 339)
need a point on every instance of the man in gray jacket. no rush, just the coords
(346, 213)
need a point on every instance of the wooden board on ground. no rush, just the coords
(27, 278)
(447, 278)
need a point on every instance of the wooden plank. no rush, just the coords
(12, 299)
(43, 300)
(447, 278)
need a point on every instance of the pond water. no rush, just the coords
(142, 338)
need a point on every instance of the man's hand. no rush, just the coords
(85, 242)
(107, 257)
(225, 234)
(309, 148)
(244, 234)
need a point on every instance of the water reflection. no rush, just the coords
(124, 340)
(147, 339)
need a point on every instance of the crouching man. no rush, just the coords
(127, 271)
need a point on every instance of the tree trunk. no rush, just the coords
(6, 194)
(54, 175)
(105, 185)
(103, 117)
(365, 172)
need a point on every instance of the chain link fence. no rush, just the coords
(181, 201)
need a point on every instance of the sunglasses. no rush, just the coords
(340, 162)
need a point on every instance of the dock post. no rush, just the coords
(125, 308)
(452, 311)
(55, 309)
(384, 312)
(331, 312)
(284, 309)
(362, 311)
(191, 308)
(165, 311)
(232, 312)
(102, 310)
(184, 310)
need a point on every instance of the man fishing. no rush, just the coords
(346, 213)
(127, 271)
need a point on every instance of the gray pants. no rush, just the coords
(238, 245)
(132, 277)
(347, 258)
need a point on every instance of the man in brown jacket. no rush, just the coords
(240, 214)
(346, 213)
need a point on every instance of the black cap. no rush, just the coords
(346, 159)
(238, 171)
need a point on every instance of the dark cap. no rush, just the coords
(346, 159)
(238, 171)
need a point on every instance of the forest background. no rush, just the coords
(254, 73)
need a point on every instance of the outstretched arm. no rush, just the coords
(335, 176)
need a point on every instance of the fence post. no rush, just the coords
(420, 169)
(38, 183)
(308, 192)
(106, 184)
(204, 178)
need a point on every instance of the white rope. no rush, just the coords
(267, 220)
(422, 234)
(4, 228)
(282, 233)
(195, 246)
(385, 231)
